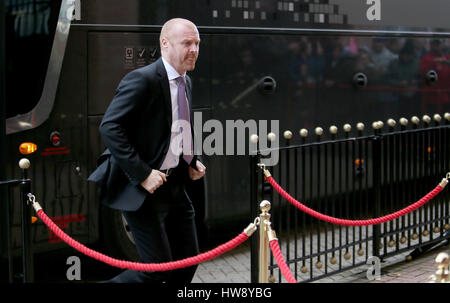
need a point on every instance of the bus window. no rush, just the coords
(30, 28)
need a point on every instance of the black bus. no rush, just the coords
(303, 63)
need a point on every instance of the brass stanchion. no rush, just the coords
(264, 242)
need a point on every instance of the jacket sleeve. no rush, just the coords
(125, 106)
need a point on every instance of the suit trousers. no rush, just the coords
(164, 230)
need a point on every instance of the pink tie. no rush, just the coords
(183, 114)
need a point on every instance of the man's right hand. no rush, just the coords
(153, 181)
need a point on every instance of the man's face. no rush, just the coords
(182, 47)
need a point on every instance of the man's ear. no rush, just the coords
(164, 42)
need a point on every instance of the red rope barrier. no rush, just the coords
(275, 247)
(142, 266)
(338, 221)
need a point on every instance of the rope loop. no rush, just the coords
(347, 222)
(275, 247)
(206, 256)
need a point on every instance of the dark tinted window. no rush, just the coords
(30, 28)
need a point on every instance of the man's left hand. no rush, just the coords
(198, 173)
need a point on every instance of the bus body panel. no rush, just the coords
(312, 49)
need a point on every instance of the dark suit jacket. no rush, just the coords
(136, 129)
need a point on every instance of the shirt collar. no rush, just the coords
(171, 72)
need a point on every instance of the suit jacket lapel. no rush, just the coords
(164, 82)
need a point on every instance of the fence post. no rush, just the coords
(376, 154)
(25, 207)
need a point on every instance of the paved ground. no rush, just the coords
(397, 270)
(234, 267)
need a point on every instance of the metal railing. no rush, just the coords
(355, 177)
(365, 176)
(24, 184)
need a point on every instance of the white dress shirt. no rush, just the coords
(171, 160)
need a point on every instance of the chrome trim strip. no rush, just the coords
(431, 32)
(40, 113)
(331, 30)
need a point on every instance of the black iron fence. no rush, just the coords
(355, 176)
(26, 273)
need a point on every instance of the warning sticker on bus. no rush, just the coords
(63, 222)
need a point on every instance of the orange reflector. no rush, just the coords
(33, 219)
(429, 149)
(359, 162)
(27, 148)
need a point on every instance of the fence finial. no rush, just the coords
(377, 124)
(303, 132)
(24, 163)
(437, 118)
(319, 131)
(415, 119)
(426, 119)
(254, 138)
(287, 134)
(333, 129)
(391, 122)
(403, 121)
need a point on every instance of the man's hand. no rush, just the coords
(198, 173)
(154, 180)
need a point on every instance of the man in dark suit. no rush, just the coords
(149, 158)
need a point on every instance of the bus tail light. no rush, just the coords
(27, 148)
(55, 138)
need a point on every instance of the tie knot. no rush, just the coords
(180, 80)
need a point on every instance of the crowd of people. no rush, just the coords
(396, 68)
(314, 71)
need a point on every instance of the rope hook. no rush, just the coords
(265, 171)
(32, 200)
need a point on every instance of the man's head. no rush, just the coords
(179, 41)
